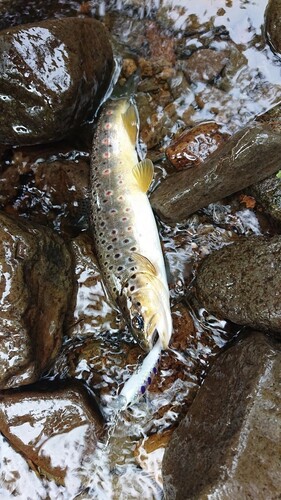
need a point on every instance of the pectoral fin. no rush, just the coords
(143, 172)
(130, 121)
(145, 264)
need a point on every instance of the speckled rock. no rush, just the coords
(228, 445)
(51, 78)
(242, 283)
(55, 426)
(250, 155)
(35, 293)
(273, 25)
(268, 194)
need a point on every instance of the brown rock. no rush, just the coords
(55, 426)
(204, 65)
(273, 25)
(250, 155)
(52, 78)
(242, 283)
(193, 146)
(228, 445)
(35, 291)
(94, 311)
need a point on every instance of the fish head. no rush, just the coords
(145, 304)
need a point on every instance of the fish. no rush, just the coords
(124, 228)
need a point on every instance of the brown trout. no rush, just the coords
(125, 231)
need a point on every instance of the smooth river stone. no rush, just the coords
(250, 155)
(52, 76)
(242, 283)
(228, 446)
(55, 426)
(35, 293)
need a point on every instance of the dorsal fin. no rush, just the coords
(130, 121)
(143, 172)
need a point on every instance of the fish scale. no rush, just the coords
(125, 232)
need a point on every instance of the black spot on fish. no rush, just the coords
(117, 256)
(109, 247)
(133, 249)
(120, 268)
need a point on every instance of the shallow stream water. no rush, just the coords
(128, 464)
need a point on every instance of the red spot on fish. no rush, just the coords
(106, 155)
(127, 209)
(108, 193)
(106, 141)
(106, 171)
(124, 218)
(107, 126)
(113, 211)
(109, 112)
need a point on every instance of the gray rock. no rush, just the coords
(242, 283)
(228, 445)
(250, 155)
(52, 76)
(273, 25)
(35, 294)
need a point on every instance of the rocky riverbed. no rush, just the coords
(208, 91)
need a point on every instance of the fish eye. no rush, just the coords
(137, 322)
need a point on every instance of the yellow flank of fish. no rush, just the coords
(125, 231)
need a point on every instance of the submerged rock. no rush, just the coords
(273, 25)
(55, 426)
(205, 65)
(193, 146)
(250, 155)
(242, 283)
(228, 445)
(51, 78)
(35, 292)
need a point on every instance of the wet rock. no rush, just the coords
(205, 65)
(35, 291)
(55, 426)
(53, 193)
(12, 13)
(242, 283)
(149, 454)
(273, 25)
(250, 155)
(94, 311)
(268, 194)
(51, 78)
(193, 146)
(271, 117)
(228, 445)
